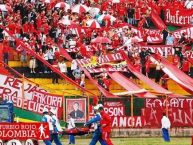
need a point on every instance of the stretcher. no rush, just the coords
(76, 131)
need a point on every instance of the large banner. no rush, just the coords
(118, 116)
(34, 99)
(178, 17)
(24, 131)
(77, 109)
(180, 111)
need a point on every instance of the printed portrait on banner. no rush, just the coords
(76, 108)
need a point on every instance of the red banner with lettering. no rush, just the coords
(116, 109)
(24, 131)
(178, 17)
(34, 98)
(180, 112)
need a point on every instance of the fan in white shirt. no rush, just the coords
(63, 67)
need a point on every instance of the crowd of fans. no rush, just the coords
(37, 23)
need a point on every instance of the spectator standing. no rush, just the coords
(165, 122)
(5, 52)
(71, 125)
(50, 55)
(82, 79)
(165, 34)
(170, 39)
(182, 40)
(130, 15)
(77, 74)
(32, 64)
(74, 66)
(158, 72)
(55, 75)
(185, 66)
(45, 57)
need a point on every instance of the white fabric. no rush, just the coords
(49, 120)
(46, 56)
(57, 123)
(74, 65)
(50, 54)
(165, 122)
(71, 123)
(63, 67)
(189, 4)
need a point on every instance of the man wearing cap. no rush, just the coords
(97, 133)
(47, 118)
(56, 127)
(105, 125)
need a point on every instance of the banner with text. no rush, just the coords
(119, 119)
(180, 112)
(24, 131)
(34, 99)
(178, 17)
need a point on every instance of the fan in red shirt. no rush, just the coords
(105, 125)
(185, 66)
(176, 60)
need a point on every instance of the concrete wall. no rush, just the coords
(132, 132)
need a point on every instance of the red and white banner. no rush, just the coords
(102, 63)
(180, 111)
(107, 69)
(129, 85)
(178, 17)
(102, 59)
(188, 31)
(185, 81)
(24, 131)
(119, 119)
(34, 99)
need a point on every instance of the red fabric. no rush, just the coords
(83, 50)
(25, 28)
(5, 48)
(106, 138)
(106, 121)
(11, 27)
(174, 73)
(128, 84)
(152, 84)
(57, 54)
(18, 29)
(147, 66)
(185, 66)
(175, 60)
(107, 83)
(157, 20)
(104, 6)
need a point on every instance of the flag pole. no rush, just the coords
(88, 98)
(22, 91)
(166, 104)
(132, 110)
(64, 112)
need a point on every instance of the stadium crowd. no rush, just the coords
(45, 28)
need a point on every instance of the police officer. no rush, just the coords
(97, 136)
(47, 118)
(56, 126)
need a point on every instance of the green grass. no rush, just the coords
(137, 141)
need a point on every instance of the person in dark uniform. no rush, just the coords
(76, 113)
